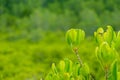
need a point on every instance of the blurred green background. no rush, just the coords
(32, 34)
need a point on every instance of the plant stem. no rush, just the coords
(92, 76)
(106, 73)
(79, 59)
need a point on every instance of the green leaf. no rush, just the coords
(99, 57)
(80, 36)
(99, 35)
(118, 74)
(107, 54)
(76, 69)
(66, 76)
(114, 70)
(109, 35)
(117, 42)
(62, 66)
(54, 69)
(71, 36)
(49, 77)
(68, 65)
(85, 71)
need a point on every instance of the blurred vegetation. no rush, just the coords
(32, 34)
(58, 14)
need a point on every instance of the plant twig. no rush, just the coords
(92, 76)
(79, 59)
(106, 73)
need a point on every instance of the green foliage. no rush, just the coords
(106, 54)
(59, 14)
(74, 37)
(31, 34)
(114, 71)
(28, 55)
(109, 36)
(69, 71)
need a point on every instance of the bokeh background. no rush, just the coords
(32, 34)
